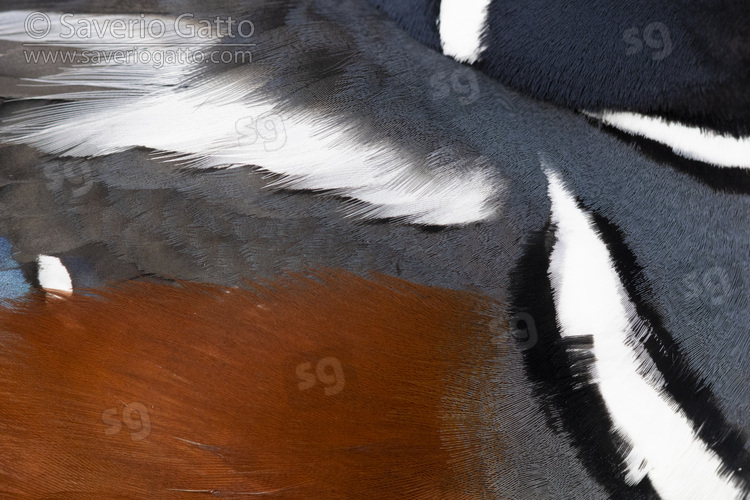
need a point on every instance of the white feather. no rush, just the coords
(590, 300)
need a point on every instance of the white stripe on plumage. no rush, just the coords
(226, 121)
(691, 142)
(591, 301)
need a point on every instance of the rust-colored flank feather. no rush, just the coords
(330, 386)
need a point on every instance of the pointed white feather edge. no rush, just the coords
(590, 300)
(690, 142)
(206, 125)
